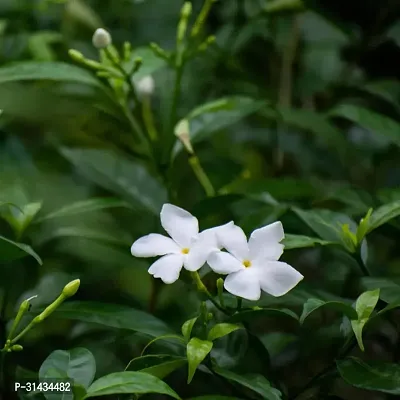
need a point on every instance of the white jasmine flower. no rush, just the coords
(145, 86)
(101, 39)
(254, 266)
(185, 248)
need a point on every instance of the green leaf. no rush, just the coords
(218, 115)
(283, 5)
(10, 251)
(383, 214)
(389, 289)
(129, 382)
(159, 366)
(249, 315)
(114, 316)
(215, 397)
(54, 71)
(77, 364)
(376, 123)
(388, 90)
(19, 220)
(85, 206)
(300, 241)
(221, 330)
(255, 382)
(196, 351)
(365, 305)
(187, 328)
(327, 224)
(314, 304)
(119, 175)
(371, 375)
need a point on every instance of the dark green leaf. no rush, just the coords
(129, 382)
(300, 241)
(376, 123)
(10, 251)
(196, 351)
(383, 214)
(371, 375)
(255, 382)
(250, 315)
(19, 220)
(214, 397)
(77, 364)
(365, 305)
(119, 175)
(85, 206)
(389, 289)
(314, 304)
(386, 90)
(221, 330)
(115, 316)
(156, 365)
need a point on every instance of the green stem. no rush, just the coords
(363, 267)
(201, 176)
(202, 288)
(175, 97)
(148, 118)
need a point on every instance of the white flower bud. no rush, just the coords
(101, 39)
(145, 86)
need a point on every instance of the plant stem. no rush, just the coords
(148, 119)
(363, 267)
(201, 175)
(202, 288)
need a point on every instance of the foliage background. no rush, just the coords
(314, 123)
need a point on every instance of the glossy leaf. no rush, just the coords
(249, 315)
(19, 220)
(365, 305)
(383, 214)
(129, 382)
(196, 351)
(389, 289)
(119, 175)
(221, 330)
(156, 365)
(187, 328)
(10, 251)
(85, 206)
(371, 375)
(300, 241)
(255, 382)
(113, 316)
(77, 364)
(314, 304)
(376, 123)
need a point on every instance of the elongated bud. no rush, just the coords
(198, 25)
(182, 132)
(137, 64)
(186, 11)
(71, 288)
(127, 51)
(16, 347)
(207, 43)
(76, 55)
(101, 39)
(23, 308)
(159, 52)
(145, 86)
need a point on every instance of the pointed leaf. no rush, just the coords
(77, 364)
(187, 328)
(10, 251)
(383, 214)
(300, 241)
(19, 220)
(314, 304)
(129, 382)
(221, 330)
(157, 365)
(371, 375)
(365, 305)
(196, 351)
(255, 382)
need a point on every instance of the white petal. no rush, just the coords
(197, 256)
(277, 278)
(244, 284)
(224, 263)
(264, 242)
(154, 245)
(167, 268)
(213, 234)
(180, 224)
(233, 239)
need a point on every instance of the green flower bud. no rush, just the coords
(71, 288)
(76, 55)
(182, 132)
(16, 347)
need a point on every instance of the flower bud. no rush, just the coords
(16, 347)
(182, 132)
(101, 39)
(71, 288)
(76, 55)
(145, 86)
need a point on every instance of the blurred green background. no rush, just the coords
(313, 122)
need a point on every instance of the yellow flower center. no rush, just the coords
(185, 250)
(247, 263)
